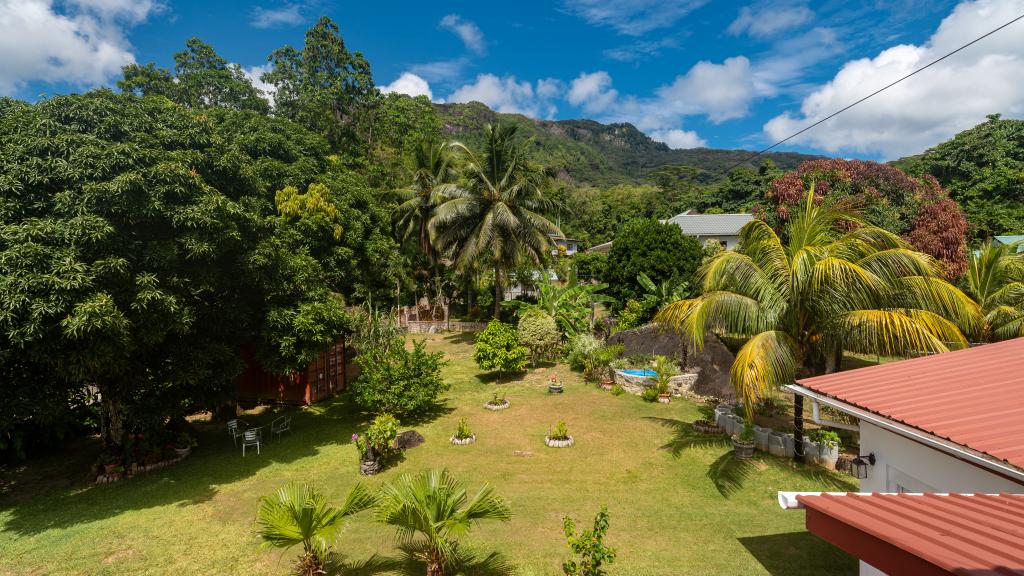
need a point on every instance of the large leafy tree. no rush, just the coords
(827, 289)
(201, 79)
(141, 249)
(497, 213)
(918, 209)
(299, 515)
(323, 86)
(995, 278)
(646, 246)
(983, 168)
(436, 508)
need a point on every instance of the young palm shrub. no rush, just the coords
(837, 284)
(298, 514)
(436, 507)
(995, 278)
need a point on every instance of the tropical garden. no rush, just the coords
(158, 241)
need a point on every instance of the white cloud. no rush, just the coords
(410, 84)
(467, 31)
(677, 139)
(440, 70)
(639, 49)
(508, 95)
(632, 17)
(287, 15)
(929, 107)
(720, 91)
(80, 42)
(255, 74)
(769, 19)
(592, 91)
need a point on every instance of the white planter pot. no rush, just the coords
(558, 442)
(464, 441)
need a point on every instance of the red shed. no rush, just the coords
(326, 376)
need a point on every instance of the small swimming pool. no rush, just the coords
(638, 372)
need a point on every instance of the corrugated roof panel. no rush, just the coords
(962, 534)
(973, 397)
(710, 224)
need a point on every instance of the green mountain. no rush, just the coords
(601, 154)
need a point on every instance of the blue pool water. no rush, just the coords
(638, 372)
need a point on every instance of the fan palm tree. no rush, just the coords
(436, 506)
(496, 215)
(433, 172)
(995, 278)
(837, 284)
(299, 514)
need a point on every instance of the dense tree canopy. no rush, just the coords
(916, 208)
(141, 265)
(646, 246)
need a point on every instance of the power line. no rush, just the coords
(882, 89)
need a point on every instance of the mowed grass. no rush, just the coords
(679, 504)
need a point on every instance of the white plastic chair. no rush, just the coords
(251, 438)
(233, 430)
(281, 425)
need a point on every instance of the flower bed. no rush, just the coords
(136, 470)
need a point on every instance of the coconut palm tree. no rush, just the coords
(836, 285)
(433, 172)
(496, 215)
(436, 506)
(995, 278)
(299, 514)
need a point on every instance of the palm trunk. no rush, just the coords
(498, 292)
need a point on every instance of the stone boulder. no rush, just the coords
(711, 363)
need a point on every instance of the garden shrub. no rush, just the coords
(588, 547)
(560, 432)
(650, 394)
(539, 333)
(399, 381)
(617, 390)
(498, 348)
(822, 436)
(580, 348)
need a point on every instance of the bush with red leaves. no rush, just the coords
(916, 208)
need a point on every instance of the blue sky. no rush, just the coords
(689, 73)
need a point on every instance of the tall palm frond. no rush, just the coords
(995, 278)
(434, 175)
(497, 214)
(836, 284)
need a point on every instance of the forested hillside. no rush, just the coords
(602, 154)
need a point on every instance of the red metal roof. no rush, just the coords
(924, 534)
(973, 397)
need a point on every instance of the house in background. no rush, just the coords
(559, 243)
(935, 427)
(1005, 240)
(724, 228)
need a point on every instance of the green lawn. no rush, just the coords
(677, 507)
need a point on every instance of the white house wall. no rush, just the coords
(903, 464)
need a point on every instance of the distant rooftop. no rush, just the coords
(1010, 239)
(710, 224)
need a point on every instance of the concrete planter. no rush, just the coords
(665, 398)
(828, 455)
(722, 411)
(761, 438)
(742, 450)
(790, 443)
(812, 453)
(495, 407)
(555, 388)
(558, 442)
(777, 444)
(464, 441)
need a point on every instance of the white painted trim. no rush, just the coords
(788, 500)
(957, 450)
(816, 416)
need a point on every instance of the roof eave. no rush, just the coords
(958, 451)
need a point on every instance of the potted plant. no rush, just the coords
(706, 423)
(664, 370)
(828, 447)
(377, 444)
(559, 437)
(554, 385)
(498, 402)
(743, 443)
(463, 435)
(183, 444)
